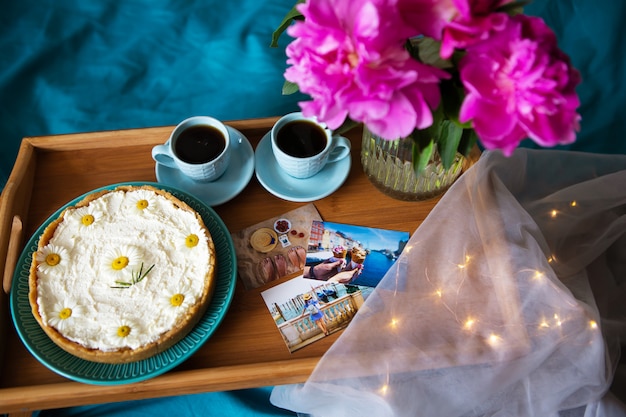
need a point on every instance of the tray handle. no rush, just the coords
(14, 204)
(13, 251)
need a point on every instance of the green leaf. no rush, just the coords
(412, 47)
(452, 97)
(346, 126)
(289, 17)
(421, 156)
(439, 116)
(514, 8)
(428, 52)
(290, 88)
(448, 143)
(422, 138)
(468, 140)
(423, 145)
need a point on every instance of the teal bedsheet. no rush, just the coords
(70, 66)
(593, 34)
(77, 66)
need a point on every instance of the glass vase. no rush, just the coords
(389, 166)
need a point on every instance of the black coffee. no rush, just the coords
(199, 144)
(301, 138)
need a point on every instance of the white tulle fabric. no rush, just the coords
(509, 300)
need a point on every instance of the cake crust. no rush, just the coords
(183, 325)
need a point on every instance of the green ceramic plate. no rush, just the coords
(72, 367)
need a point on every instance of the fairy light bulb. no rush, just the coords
(593, 325)
(469, 323)
(439, 293)
(464, 265)
(573, 203)
(384, 388)
(553, 213)
(394, 323)
(494, 340)
(538, 276)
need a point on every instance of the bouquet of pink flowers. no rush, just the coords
(450, 71)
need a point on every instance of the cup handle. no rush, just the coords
(340, 150)
(161, 154)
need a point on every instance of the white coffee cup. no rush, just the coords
(199, 147)
(302, 145)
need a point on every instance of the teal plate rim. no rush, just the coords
(77, 369)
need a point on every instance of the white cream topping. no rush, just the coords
(86, 282)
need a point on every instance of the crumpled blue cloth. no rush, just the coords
(592, 34)
(240, 403)
(74, 66)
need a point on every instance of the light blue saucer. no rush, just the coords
(282, 185)
(226, 187)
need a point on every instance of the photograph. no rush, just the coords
(275, 247)
(343, 265)
(351, 254)
(307, 310)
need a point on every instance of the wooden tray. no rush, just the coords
(247, 350)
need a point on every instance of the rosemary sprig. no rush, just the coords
(136, 277)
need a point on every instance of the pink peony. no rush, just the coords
(428, 17)
(349, 56)
(457, 23)
(474, 23)
(519, 84)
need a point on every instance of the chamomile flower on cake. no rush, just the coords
(121, 262)
(64, 313)
(191, 237)
(141, 202)
(52, 258)
(86, 216)
(122, 332)
(177, 297)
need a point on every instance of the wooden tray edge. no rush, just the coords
(116, 138)
(49, 396)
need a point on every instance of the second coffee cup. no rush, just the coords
(199, 147)
(302, 146)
